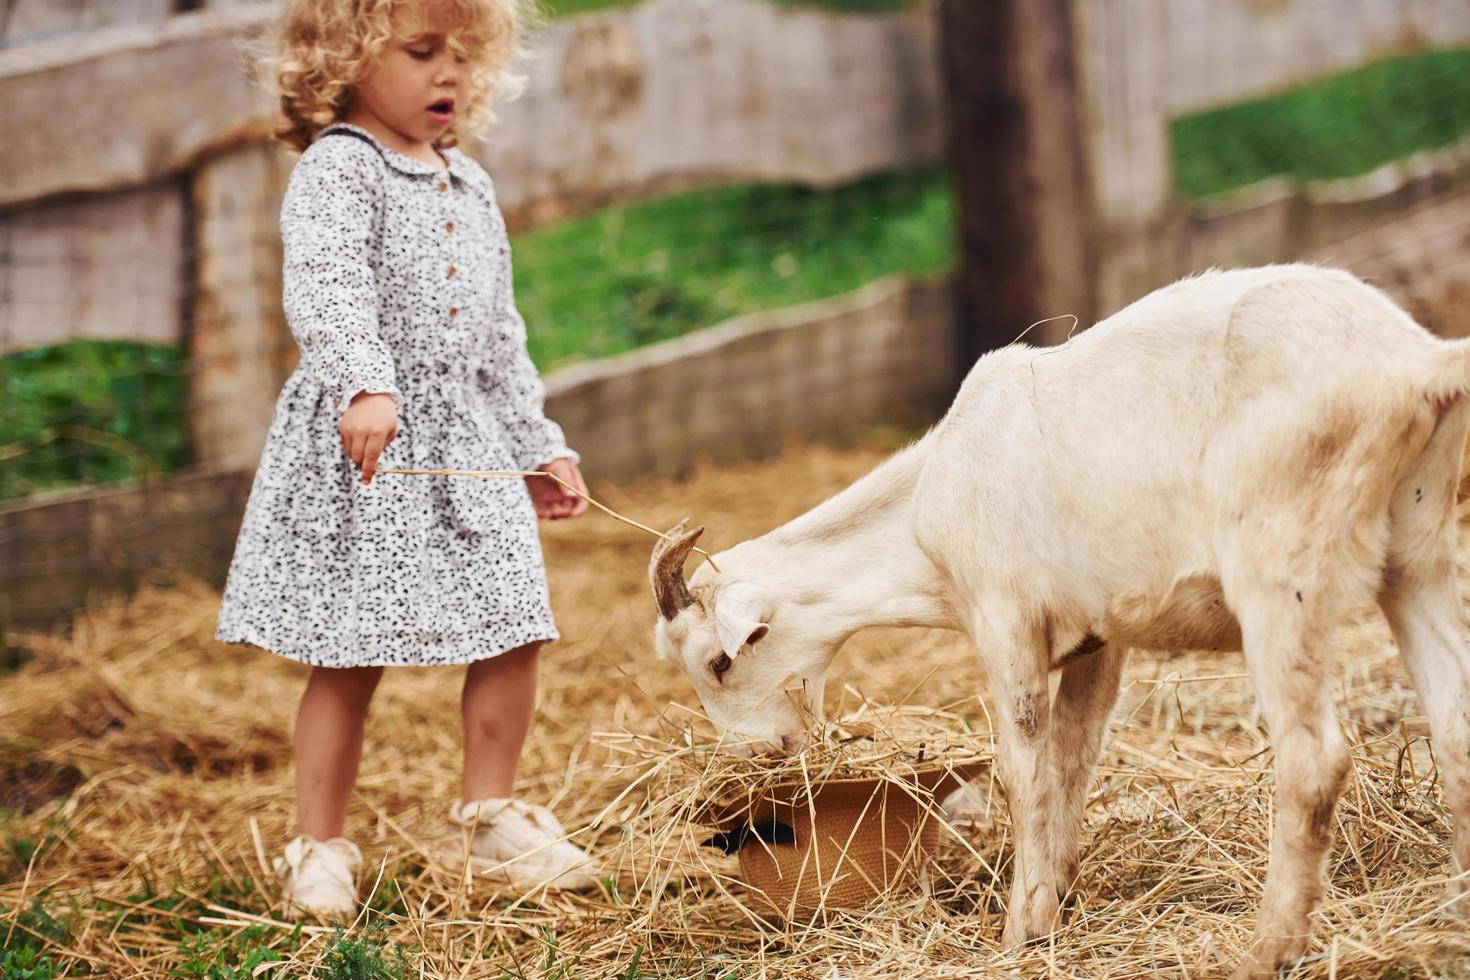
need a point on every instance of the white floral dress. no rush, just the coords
(397, 279)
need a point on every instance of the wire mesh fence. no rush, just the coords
(1230, 134)
(101, 410)
(1367, 167)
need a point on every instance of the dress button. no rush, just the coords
(449, 227)
(453, 272)
(454, 311)
(443, 185)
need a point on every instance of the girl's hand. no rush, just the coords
(368, 425)
(552, 500)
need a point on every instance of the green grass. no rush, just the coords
(220, 954)
(563, 8)
(35, 949)
(645, 272)
(27, 963)
(1338, 127)
(23, 942)
(89, 412)
(368, 957)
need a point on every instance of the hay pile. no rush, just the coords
(145, 775)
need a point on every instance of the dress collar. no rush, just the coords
(401, 162)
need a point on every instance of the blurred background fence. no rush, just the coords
(733, 221)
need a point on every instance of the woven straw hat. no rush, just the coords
(840, 844)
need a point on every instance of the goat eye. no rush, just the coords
(720, 664)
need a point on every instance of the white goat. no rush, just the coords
(1233, 462)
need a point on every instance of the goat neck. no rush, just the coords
(853, 561)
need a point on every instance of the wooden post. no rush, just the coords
(1025, 220)
(239, 348)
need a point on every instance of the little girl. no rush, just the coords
(397, 287)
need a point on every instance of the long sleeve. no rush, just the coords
(519, 396)
(514, 387)
(329, 291)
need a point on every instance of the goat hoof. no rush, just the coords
(1013, 938)
(1266, 956)
(1018, 934)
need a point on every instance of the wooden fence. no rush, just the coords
(1145, 62)
(154, 219)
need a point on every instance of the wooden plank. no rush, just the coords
(671, 93)
(29, 21)
(105, 269)
(1219, 53)
(674, 93)
(140, 102)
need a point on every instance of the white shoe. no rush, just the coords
(516, 842)
(320, 877)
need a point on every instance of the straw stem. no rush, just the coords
(508, 474)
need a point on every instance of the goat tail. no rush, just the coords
(1449, 378)
(1448, 393)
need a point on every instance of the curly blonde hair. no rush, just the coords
(326, 47)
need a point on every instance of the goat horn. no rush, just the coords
(666, 569)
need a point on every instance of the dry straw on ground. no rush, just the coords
(147, 779)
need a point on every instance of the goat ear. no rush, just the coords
(738, 614)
